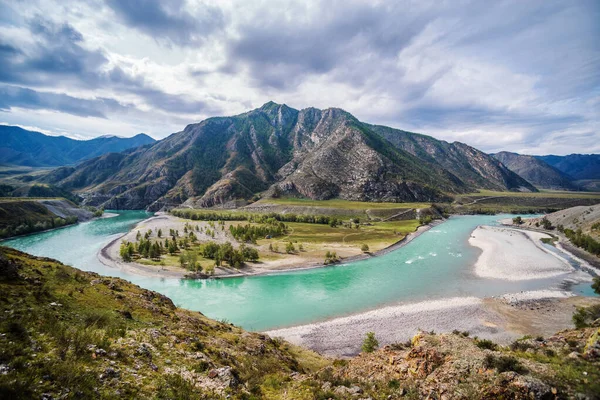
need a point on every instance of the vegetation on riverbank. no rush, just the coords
(19, 216)
(73, 334)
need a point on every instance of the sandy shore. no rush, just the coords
(513, 254)
(109, 255)
(499, 319)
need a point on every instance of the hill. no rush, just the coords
(66, 333)
(311, 153)
(536, 171)
(34, 149)
(20, 216)
(578, 166)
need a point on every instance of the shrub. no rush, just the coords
(503, 364)
(364, 248)
(370, 344)
(584, 316)
(486, 344)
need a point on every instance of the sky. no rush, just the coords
(512, 75)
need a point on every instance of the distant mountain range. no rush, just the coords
(572, 172)
(275, 149)
(34, 149)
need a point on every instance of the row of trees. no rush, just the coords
(227, 253)
(579, 239)
(251, 233)
(30, 226)
(205, 215)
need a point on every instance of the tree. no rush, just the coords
(370, 344)
(124, 251)
(517, 220)
(289, 248)
(159, 234)
(173, 247)
(364, 248)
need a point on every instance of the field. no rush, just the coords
(490, 202)
(340, 204)
(548, 194)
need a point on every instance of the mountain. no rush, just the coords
(536, 171)
(578, 166)
(474, 167)
(34, 149)
(319, 154)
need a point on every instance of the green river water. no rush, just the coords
(438, 264)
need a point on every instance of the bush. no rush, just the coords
(370, 344)
(364, 248)
(584, 316)
(503, 364)
(486, 344)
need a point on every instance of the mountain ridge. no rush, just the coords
(278, 150)
(34, 149)
(536, 171)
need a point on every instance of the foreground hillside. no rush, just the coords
(65, 333)
(34, 149)
(312, 153)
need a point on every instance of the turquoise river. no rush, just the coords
(438, 264)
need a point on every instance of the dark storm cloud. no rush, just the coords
(14, 96)
(168, 20)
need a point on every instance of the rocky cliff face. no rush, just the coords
(536, 171)
(474, 167)
(314, 153)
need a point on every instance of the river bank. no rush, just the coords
(502, 320)
(513, 254)
(109, 255)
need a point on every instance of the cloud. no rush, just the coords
(169, 21)
(14, 96)
(282, 45)
(502, 75)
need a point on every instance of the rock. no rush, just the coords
(343, 390)
(225, 375)
(110, 373)
(144, 350)
(533, 387)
